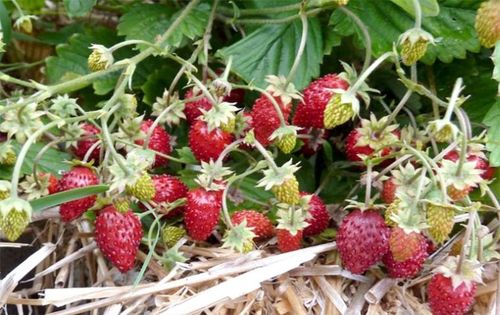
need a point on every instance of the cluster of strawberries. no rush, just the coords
(416, 217)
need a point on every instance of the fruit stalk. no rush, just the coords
(418, 14)
(267, 157)
(468, 232)
(353, 89)
(366, 36)
(302, 46)
(368, 190)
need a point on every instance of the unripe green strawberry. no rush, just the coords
(9, 158)
(4, 189)
(392, 209)
(488, 23)
(248, 246)
(15, 215)
(287, 143)
(229, 126)
(143, 189)
(336, 113)
(122, 204)
(440, 220)
(444, 135)
(288, 192)
(171, 235)
(95, 61)
(411, 53)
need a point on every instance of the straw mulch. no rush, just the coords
(72, 277)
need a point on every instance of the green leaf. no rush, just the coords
(79, 7)
(71, 60)
(186, 155)
(453, 28)
(156, 81)
(31, 5)
(271, 49)
(5, 27)
(50, 162)
(492, 120)
(428, 7)
(65, 196)
(148, 21)
(496, 61)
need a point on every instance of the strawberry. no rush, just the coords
(83, 146)
(192, 109)
(262, 226)
(171, 235)
(207, 145)
(404, 245)
(315, 142)
(169, 189)
(368, 139)
(118, 236)
(320, 217)
(159, 141)
(440, 220)
(446, 300)
(481, 163)
(288, 242)
(202, 212)
(409, 267)
(388, 193)
(235, 96)
(317, 94)
(265, 120)
(288, 191)
(488, 23)
(78, 176)
(362, 240)
(143, 188)
(458, 194)
(52, 182)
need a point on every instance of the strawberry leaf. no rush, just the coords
(492, 120)
(79, 7)
(273, 48)
(453, 28)
(429, 7)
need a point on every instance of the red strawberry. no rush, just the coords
(52, 182)
(481, 163)
(353, 149)
(78, 176)
(89, 133)
(207, 145)
(202, 212)
(315, 142)
(235, 96)
(388, 193)
(159, 141)
(458, 194)
(404, 245)
(265, 120)
(262, 226)
(169, 189)
(319, 216)
(118, 236)
(444, 300)
(362, 240)
(192, 109)
(288, 242)
(408, 268)
(310, 112)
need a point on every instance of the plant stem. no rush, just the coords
(366, 36)
(466, 238)
(418, 14)
(368, 179)
(265, 154)
(262, 11)
(269, 21)
(7, 78)
(404, 99)
(300, 52)
(354, 88)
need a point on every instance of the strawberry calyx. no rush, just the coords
(238, 237)
(470, 271)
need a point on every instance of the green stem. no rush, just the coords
(368, 190)
(39, 156)
(404, 99)
(468, 232)
(202, 88)
(168, 157)
(267, 157)
(262, 11)
(22, 154)
(366, 36)
(418, 14)
(355, 87)
(7, 78)
(131, 42)
(300, 52)
(269, 21)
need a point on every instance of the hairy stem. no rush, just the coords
(366, 36)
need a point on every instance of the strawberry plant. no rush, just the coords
(289, 156)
